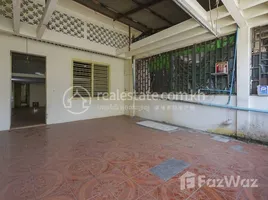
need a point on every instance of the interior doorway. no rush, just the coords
(28, 101)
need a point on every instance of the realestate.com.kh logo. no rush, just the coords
(80, 106)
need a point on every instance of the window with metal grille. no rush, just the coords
(101, 80)
(82, 79)
(259, 68)
(186, 70)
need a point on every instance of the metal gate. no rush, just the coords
(259, 69)
(187, 70)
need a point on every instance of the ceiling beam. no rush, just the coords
(155, 13)
(245, 4)
(184, 43)
(169, 41)
(103, 9)
(232, 7)
(139, 8)
(49, 9)
(16, 15)
(162, 35)
(196, 11)
(256, 11)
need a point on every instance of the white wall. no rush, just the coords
(190, 115)
(252, 125)
(128, 85)
(38, 94)
(58, 78)
(209, 119)
(258, 122)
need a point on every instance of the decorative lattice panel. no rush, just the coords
(66, 24)
(105, 36)
(6, 8)
(31, 12)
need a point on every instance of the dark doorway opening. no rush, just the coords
(28, 99)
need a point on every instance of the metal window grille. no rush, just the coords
(259, 68)
(101, 80)
(187, 70)
(82, 78)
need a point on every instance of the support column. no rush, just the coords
(243, 79)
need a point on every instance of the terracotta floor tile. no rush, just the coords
(87, 189)
(46, 182)
(112, 178)
(63, 192)
(87, 160)
(146, 165)
(162, 193)
(208, 193)
(129, 169)
(103, 196)
(18, 188)
(173, 190)
(97, 166)
(146, 197)
(127, 190)
(120, 156)
(76, 170)
(147, 181)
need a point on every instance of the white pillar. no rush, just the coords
(243, 78)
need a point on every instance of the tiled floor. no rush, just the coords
(110, 159)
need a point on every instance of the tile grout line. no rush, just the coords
(96, 177)
(194, 192)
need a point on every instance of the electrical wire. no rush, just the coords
(217, 4)
(27, 58)
(209, 2)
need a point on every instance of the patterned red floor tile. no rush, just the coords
(208, 193)
(97, 166)
(63, 192)
(146, 197)
(173, 189)
(146, 165)
(162, 193)
(77, 171)
(87, 160)
(147, 181)
(19, 188)
(112, 178)
(129, 169)
(88, 189)
(120, 156)
(103, 196)
(127, 190)
(59, 197)
(46, 182)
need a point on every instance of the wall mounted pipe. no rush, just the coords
(233, 72)
(221, 106)
(215, 90)
(133, 63)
